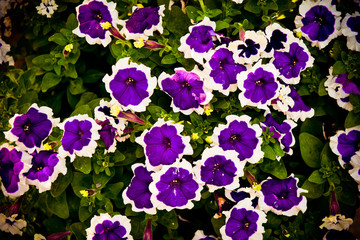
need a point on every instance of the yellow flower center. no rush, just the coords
(47, 147)
(257, 187)
(69, 47)
(139, 43)
(115, 110)
(105, 25)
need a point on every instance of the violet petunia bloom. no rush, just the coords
(219, 169)
(282, 197)
(106, 227)
(29, 130)
(243, 222)
(137, 193)
(291, 63)
(130, 84)
(174, 186)
(319, 22)
(199, 41)
(299, 110)
(46, 166)
(13, 164)
(350, 27)
(79, 137)
(239, 135)
(258, 86)
(93, 16)
(143, 22)
(186, 89)
(163, 144)
(346, 144)
(220, 70)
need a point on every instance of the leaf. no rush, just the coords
(352, 120)
(310, 148)
(44, 61)
(59, 39)
(70, 71)
(76, 86)
(217, 223)
(221, 25)
(275, 168)
(177, 22)
(49, 80)
(314, 190)
(81, 182)
(348, 193)
(156, 112)
(61, 183)
(355, 101)
(86, 98)
(71, 22)
(192, 12)
(327, 156)
(322, 91)
(168, 59)
(82, 164)
(85, 214)
(58, 205)
(317, 177)
(338, 68)
(84, 109)
(268, 152)
(100, 180)
(251, 6)
(112, 190)
(92, 76)
(169, 220)
(196, 119)
(78, 229)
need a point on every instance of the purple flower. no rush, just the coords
(350, 27)
(13, 163)
(279, 39)
(29, 130)
(186, 89)
(199, 41)
(130, 84)
(346, 144)
(258, 86)
(221, 70)
(79, 138)
(163, 144)
(239, 135)
(291, 63)
(299, 110)
(107, 227)
(174, 186)
(108, 134)
(243, 222)
(319, 22)
(218, 168)
(143, 22)
(91, 14)
(138, 193)
(282, 197)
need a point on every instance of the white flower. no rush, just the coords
(348, 29)
(337, 222)
(4, 49)
(47, 7)
(38, 236)
(11, 225)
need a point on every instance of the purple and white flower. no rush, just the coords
(239, 135)
(200, 235)
(4, 57)
(200, 39)
(13, 164)
(137, 193)
(93, 15)
(346, 145)
(106, 227)
(79, 137)
(46, 166)
(174, 186)
(29, 130)
(47, 7)
(219, 169)
(282, 197)
(130, 84)
(319, 22)
(186, 89)
(11, 225)
(248, 49)
(283, 101)
(220, 70)
(355, 171)
(143, 22)
(350, 28)
(243, 221)
(258, 86)
(163, 144)
(337, 222)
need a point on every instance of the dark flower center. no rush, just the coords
(26, 127)
(175, 182)
(80, 133)
(186, 84)
(321, 19)
(283, 195)
(8, 221)
(246, 224)
(294, 60)
(130, 81)
(167, 142)
(98, 16)
(260, 82)
(234, 137)
(216, 166)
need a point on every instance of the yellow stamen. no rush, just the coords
(287, 235)
(282, 16)
(84, 193)
(105, 25)
(139, 43)
(115, 110)
(208, 140)
(195, 136)
(69, 47)
(140, 5)
(299, 34)
(257, 187)
(47, 147)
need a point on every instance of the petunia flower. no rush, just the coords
(13, 164)
(79, 137)
(4, 57)
(47, 8)
(174, 186)
(239, 135)
(350, 27)
(186, 89)
(243, 221)
(282, 197)
(319, 22)
(283, 101)
(200, 39)
(97, 18)
(292, 62)
(163, 144)
(106, 227)
(137, 193)
(248, 50)
(200, 235)
(220, 70)
(11, 225)
(143, 22)
(46, 166)
(345, 144)
(130, 84)
(29, 130)
(219, 169)
(258, 86)
(355, 171)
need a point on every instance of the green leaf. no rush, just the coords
(49, 80)
(177, 22)
(355, 101)
(81, 182)
(327, 156)
(70, 71)
(92, 76)
(71, 22)
(78, 229)
(192, 12)
(217, 223)
(101, 179)
(221, 25)
(314, 190)
(273, 220)
(61, 183)
(44, 61)
(112, 190)
(317, 177)
(76, 86)
(86, 98)
(196, 119)
(310, 148)
(82, 164)
(84, 109)
(268, 152)
(213, 13)
(252, 6)
(275, 168)
(348, 193)
(352, 120)
(139, 153)
(59, 39)
(118, 156)
(85, 214)
(322, 91)
(169, 219)
(168, 59)
(58, 205)
(156, 112)
(339, 68)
